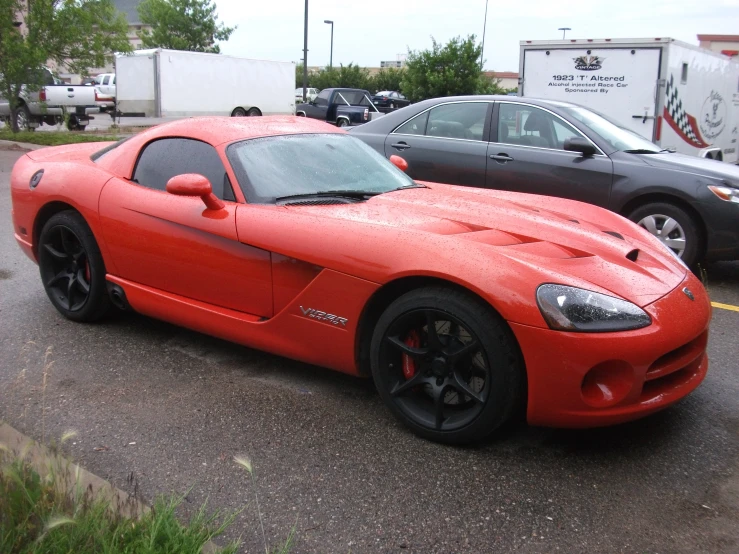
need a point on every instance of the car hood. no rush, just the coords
(557, 240)
(693, 164)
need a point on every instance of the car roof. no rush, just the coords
(214, 131)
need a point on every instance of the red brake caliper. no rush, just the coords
(409, 366)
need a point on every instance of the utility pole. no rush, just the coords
(484, 25)
(305, 54)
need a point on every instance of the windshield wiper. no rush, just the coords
(645, 151)
(359, 194)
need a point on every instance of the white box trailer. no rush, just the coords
(174, 84)
(677, 95)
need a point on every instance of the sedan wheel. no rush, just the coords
(72, 268)
(673, 227)
(446, 365)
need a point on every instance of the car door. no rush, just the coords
(318, 108)
(173, 243)
(526, 154)
(446, 143)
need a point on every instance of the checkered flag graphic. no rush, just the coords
(678, 118)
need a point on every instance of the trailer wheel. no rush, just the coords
(238, 112)
(254, 112)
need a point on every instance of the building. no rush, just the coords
(507, 79)
(725, 44)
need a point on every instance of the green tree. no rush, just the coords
(449, 70)
(182, 25)
(349, 76)
(76, 34)
(388, 79)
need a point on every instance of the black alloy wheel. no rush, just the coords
(446, 365)
(72, 268)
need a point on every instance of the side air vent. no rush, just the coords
(614, 234)
(633, 255)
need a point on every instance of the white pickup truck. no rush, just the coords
(51, 103)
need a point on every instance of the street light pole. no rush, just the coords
(564, 30)
(484, 25)
(305, 54)
(331, 59)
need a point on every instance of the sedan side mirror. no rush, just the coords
(579, 144)
(399, 162)
(193, 184)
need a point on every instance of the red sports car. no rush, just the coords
(466, 306)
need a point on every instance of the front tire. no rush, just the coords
(674, 227)
(447, 365)
(72, 268)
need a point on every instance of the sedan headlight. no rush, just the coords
(572, 309)
(725, 193)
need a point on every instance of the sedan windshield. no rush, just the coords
(618, 137)
(276, 167)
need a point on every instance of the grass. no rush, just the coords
(54, 138)
(43, 515)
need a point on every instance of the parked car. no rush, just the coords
(105, 83)
(562, 149)
(344, 107)
(466, 306)
(311, 94)
(388, 100)
(51, 103)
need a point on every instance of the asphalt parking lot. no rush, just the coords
(162, 409)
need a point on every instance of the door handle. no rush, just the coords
(400, 146)
(501, 157)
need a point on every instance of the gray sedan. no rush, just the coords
(560, 149)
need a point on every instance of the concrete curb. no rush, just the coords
(20, 146)
(42, 458)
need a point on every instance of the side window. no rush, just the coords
(113, 81)
(106, 79)
(322, 98)
(529, 126)
(163, 159)
(464, 120)
(415, 126)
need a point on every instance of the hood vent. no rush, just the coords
(633, 255)
(320, 202)
(614, 234)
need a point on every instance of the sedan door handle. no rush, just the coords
(501, 157)
(400, 146)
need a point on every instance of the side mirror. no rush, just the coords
(579, 144)
(399, 162)
(193, 184)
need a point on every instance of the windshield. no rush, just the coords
(618, 137)
(273, 167)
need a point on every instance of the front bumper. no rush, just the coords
(598, 379)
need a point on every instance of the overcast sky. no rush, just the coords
(366, 32)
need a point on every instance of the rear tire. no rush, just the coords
(23, 119)
(72, 268)
(342, 123)
(467, 376)
(657, 217)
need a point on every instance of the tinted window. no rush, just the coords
(106, 79)
(415, 126)
(464, 120)
(322, 98)
(529, 126)
(163, 159)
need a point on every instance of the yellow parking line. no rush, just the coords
(725, 306)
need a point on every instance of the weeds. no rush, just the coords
(43, 514)
(55, 138)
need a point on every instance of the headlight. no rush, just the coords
(725, 193)
(572, 309)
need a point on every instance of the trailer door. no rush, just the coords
(621, 83)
